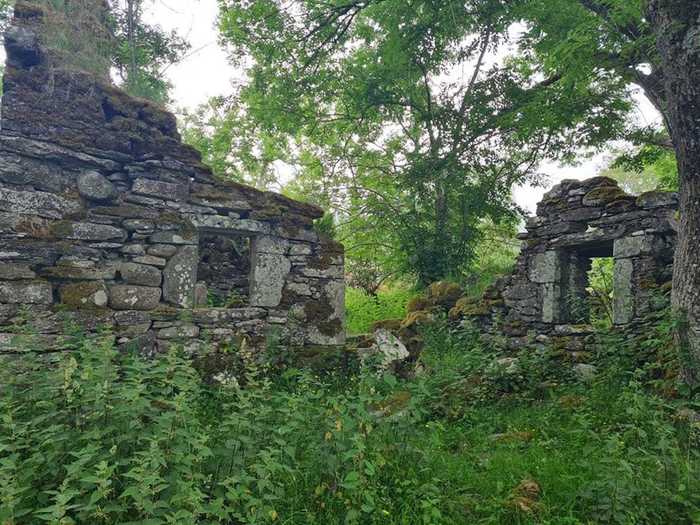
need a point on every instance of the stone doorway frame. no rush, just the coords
(563, 272)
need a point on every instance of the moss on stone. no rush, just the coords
(322, 358)
(35, 227)
(393, 404)
(185, 227)
(603, 195)
(421, 317)
(318, 311)
(444, 293)
(648, 284)
(80, 295)
(417, 303)
(467, 307)
(331, 328)
(61, 230)
(387, 324)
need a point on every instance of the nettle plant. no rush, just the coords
(101, 436)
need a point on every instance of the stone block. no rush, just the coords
(551, 303)
(47, 205)
(520, 291)
(131, 317)
(325, 318)
(162, 250)
(270, 244)
(140, 274)
(139, 225)
(96, 187)
(26, 292)
(91, 294)
(151, 260)
(623, 299)
(176, 238)
(657, 199)
(186, 331)
(268, 275)
(180, 276)
(331, 272)
(636, 245)
(156, 188)
(134, 249)
(232, 224)
(300, 249)
(88, 231)
(201, 295)
(603, 195)
(580, 214)
(128, 297)
(76, 273)
(545, 267)
(13, 272)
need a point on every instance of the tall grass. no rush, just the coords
(77, 33)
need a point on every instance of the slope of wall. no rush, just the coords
(103, 210)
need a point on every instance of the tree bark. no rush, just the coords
(676, 25)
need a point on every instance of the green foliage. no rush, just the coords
(494, 257)
(96, 36)
(231, 145)
(101, 436)
(644, 169)
(601, 288)
(143, 52)
(76, 32)
(410, 158)
(362, 309)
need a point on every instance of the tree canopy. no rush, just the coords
(412, 119)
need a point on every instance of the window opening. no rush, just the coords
(224, 267)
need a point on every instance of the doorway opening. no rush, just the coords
(588, 285)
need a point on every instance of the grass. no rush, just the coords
(106, 437)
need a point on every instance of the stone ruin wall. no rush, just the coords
(107, 219)
(575, 222)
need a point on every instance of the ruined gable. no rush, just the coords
(107, 219)
(578, 221)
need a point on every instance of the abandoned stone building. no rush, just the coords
(108, 219)
(545, 298)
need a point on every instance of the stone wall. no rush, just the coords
(107, 219)
(576, 222)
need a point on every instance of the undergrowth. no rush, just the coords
(98, 436)
(363, 309)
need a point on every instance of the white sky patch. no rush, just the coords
(205, 72)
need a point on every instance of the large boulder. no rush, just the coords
(387, 349)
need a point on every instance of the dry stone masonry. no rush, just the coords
(107, 219)
(544, 300)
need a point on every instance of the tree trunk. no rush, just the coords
(676, 25)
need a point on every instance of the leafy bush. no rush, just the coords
(363, 309)
(100, 436)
